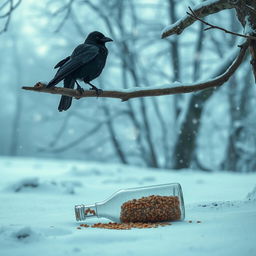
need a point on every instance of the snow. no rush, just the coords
(174, 25)
(156, 87)
(248, 29)
(38, 196)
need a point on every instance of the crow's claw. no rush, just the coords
(98, 91)
(80, 90)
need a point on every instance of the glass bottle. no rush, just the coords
(142, 204)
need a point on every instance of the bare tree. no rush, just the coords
(185, 146)
(7, 8)
(19, 102)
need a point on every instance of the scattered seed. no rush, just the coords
(84, 225)
(125, 226)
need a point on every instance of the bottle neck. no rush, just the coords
(83, 212)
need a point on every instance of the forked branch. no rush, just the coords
(210, 26)
(201, 10)
(10, 5)
(142, 92)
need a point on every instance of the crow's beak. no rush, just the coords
(106, 39)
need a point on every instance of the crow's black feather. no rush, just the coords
(85, 63)
(59, 64)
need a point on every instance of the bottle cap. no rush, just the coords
(85, 211)
(80, 212)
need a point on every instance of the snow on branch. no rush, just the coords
(204, 9)
(245, 11)
(127, 94)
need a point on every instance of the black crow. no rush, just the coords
(85, 63)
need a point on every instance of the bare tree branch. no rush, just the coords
(210, 26)
(8, 14)
(250, 8)
(140, 92)
(66, 8)
(201, 10)
(88, 134)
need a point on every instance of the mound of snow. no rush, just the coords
(26, 234)
(33, 184)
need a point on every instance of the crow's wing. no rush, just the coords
(85, 48)
(83, 54)
(62, 62)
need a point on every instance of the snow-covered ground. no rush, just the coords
(37, 216)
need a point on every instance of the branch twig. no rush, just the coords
(210, 26)
(202, 10)
(250, 8)
(8, 14)
(68, 9)
(136, 93)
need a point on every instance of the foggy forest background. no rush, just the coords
(210, 130)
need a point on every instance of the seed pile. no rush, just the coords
(122, 226)
(151, 209)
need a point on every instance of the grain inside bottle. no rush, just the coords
(150, 209)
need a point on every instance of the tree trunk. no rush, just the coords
(186, 143)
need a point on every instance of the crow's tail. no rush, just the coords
(66, 101)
